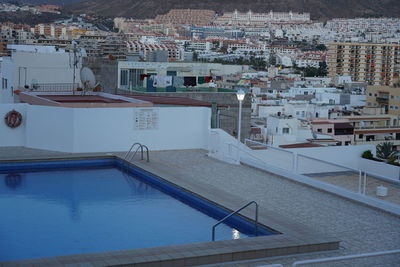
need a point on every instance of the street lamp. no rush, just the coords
(240, 96)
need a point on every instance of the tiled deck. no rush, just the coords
(350, 181)
(360, 228)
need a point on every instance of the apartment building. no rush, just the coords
(375, 64)
(386, 97)
(340, 130)
(187, 16)
(259, 19)
(174, 53)
(375, 129)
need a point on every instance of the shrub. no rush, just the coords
(367, 155)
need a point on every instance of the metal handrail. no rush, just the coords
(233, 213)
(364, 255)
(147, 152)
(127, 153)
(134, 154)
(141, 147)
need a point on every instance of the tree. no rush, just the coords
(385, 150)
(322, 70)
(321, 47)
(272, 59)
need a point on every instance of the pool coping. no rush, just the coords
(294, 238)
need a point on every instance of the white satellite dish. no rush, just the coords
(87, 78)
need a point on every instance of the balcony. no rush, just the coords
(376, 142)
(382, 100)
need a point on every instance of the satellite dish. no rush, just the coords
(87, 78)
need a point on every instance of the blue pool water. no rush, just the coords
(76, 211)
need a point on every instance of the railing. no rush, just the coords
(235, 212)
(256, 144)
(378, 127)
(331, 259)
(139, 146)
(54, 87)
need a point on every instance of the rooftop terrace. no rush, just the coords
(360, 228)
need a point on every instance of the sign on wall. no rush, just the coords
(146, 119)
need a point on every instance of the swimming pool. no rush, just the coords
(83, 206)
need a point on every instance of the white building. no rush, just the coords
(283, 130)
(36, 68)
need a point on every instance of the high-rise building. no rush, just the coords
(375, 64)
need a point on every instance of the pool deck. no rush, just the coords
(310, 219)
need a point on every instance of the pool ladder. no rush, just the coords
(235, 212)
(129, 157)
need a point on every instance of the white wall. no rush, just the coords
(357, 100)
(7, 72)
(178, 128)
(50, 128)
(113, 129)
(379, 168)
(12, 136)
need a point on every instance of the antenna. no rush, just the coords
(88, 80)
(74, 58)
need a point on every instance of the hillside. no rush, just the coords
(41, 2)
(319, 9)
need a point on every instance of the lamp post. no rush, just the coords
(240, 96)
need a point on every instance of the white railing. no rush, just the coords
(305, 169)
(348, 257)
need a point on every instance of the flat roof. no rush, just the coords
(80, 100)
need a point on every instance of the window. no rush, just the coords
(329, 130)
(360, 136)
(319, 130)
(4, 83)
(347, 143)
(285, 130)
(124, 78)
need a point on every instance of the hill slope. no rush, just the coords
(41, 2)
(319, 9)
